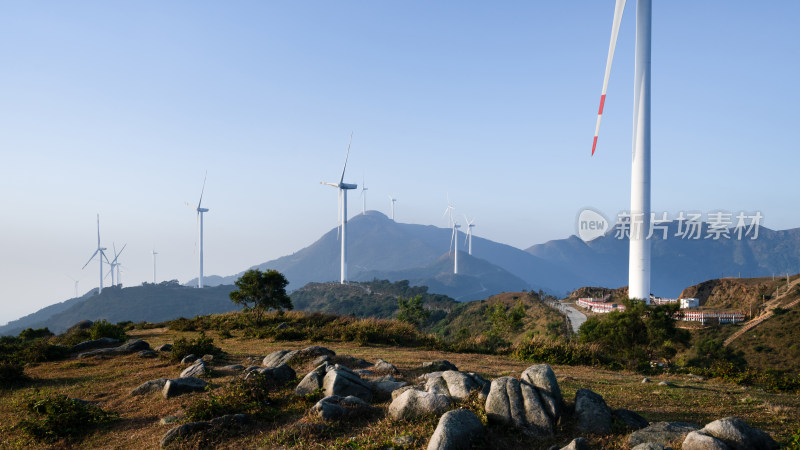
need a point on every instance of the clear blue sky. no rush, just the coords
(120, 107)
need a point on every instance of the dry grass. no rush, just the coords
(110, 381)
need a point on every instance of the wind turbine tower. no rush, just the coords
(115, 265)
(468, 238)
(154, 265)
(200, 210)
(101, 251)
(454, 243)
(639, 259)
(343, 188)
(393, 200)
(364, 190)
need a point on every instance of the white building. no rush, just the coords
(690, 303)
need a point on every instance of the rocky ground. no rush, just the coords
(349, 396)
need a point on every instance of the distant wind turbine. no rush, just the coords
(101, 251)
(470, 226)
(393, 201)
(639, 256)
(154, 265)
(343, 188)
(200, 210)
(115, 265)
(76, 285)
(454, 243)
(364, 190)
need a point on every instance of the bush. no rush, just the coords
(53, 417)
(30, 334)
(558, 351)
(41, 351)
(104, 329)
(11, 374)
(243, 395)
(202, 345)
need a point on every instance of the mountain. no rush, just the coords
(382, 248)
(40, 316)
(149, 302)
(677, 262)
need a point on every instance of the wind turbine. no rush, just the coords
(364, 190)
(343, 188)
(639, 259)
(100, 250)
(470, 226)
(393, 200)
(76, 285)
(115, 265)
(154, 265)
(200, 210)
(454, 243)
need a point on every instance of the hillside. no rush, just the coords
(676, 262)
(736, 293)
(149, 302)
(32, 320)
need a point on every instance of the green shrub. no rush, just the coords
(249, 395)
(41, 350)
(202, 345)
(52, 417)
(29, 334)
(558, 351)
(11, 374)
(103, 329)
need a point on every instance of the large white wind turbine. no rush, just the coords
(364, 190)
(393, 201)
(115, 265)
(343, 188)
(454, 243)
(101, 251)
(200, 210)
(154, 265)
(639, 259)
(470, 226)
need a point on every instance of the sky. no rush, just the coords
(120, 108)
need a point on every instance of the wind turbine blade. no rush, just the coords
(90, 259)
(341, 180)
(618, 10)
(452, 238)
(120, 251)
(103, 254)
(202, 190)
(98, 230)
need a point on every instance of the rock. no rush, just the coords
(147, 354)
(384, 367)
(413, 403)
(310, 383)
(662, 433)
(97, 343)
(577, 444)
(666, 383)
(168, 420)
(385, 378)
(133, 345)
(456, 430)
(321, 359)
(178, 386)
(293, 356)
(698, 440)
(630, 419)
(232, 368)
(651, 446)
(149, 387)
(364, 373)
(197, 369)
(541, 377)
(384, 389)
(399, 391)
(220, 423)
(82, 325)
(517, 404)
(335, 407)
(736, 434)
(188, 359)
(164, 348)
(594, 416)
(404, 441)
(455, 384)
(646, 380)
(343, 382)
(438, 366)
(207, 358)
(280, 374)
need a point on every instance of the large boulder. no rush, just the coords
(312, 381)
(150, 387)
(577, 444)
(594, 416)
(439, 365)
(97, 343)
(187, 430)
(334, 407)
(456, 430)
(384, 389)
(197, 369)
(179, 386)
(130, 346)
(664, 433)
(697, 440)
(736, 434)
(413, 403)
(630, 419)
(279, 375)
(542, 377)
(455, 384)
(384, 367)
(341, 381)
(517, 404)
(294, 356)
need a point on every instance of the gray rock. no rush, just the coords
(517, 404)
(384, 389)
(164, 348)
(577, 444)
(404, 441)
(132, 346)
(384, 367)
(97, 343)
(651, 446)
(82, 325)
(150, 387)
(343, 382)
(666, 383)
(396, 393)
(168, 420)
(293, 356)
(413, 403)
(630, 419)
(698, 440)
(438, 365)
(147, 354)
(541, 377)
(456, 430)
(736, 434)
(207, 358)
(310, 383)
(232, 368)
(455, 384)
(321, 359)
(646, 380)
(663, 433)
(279, 374)
(197, 369)
(220, 423)
(364, 373)
(188, 359)
(179, 386)
(334, 407)
(594, 416)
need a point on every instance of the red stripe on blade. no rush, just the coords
(594, 145)
(602, 102)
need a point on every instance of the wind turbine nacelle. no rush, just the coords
(202, 210)
(347, 186)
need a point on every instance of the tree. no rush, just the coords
(411, 310)
(264, 290)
